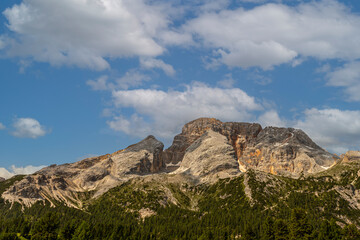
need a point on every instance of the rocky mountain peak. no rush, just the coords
(272, 135)
(351, 156)
(284, 151)
(206, 150)
(200, 126)
(236, 132)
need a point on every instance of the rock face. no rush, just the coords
(2, 179)
(284, 151)
(209, 158)
(97, 174)
(237, 133)
(206, 150)
(351, 156)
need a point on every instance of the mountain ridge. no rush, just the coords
(206, 150)
(233, 181)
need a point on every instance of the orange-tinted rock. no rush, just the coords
(284, 151)
(237, 133)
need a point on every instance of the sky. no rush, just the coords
(81, 78)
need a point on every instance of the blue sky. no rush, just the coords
(80, 78)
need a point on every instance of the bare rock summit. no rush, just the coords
(205, 151)
(281, 151)
(209, 158)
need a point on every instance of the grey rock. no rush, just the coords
(209, 158)
(96, 174)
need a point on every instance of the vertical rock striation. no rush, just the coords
(284, 151)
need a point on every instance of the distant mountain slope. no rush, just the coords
(205, 151)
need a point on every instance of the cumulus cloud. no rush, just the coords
(132, 78)
(163, 113)
(19, 171)
(227, 82)
(348, 77)
(2, 126)
(272, 34)
(85, 33)
(88, 33)
(149, 63)
(28, 128)
(271, 118)
(99, 84)
(333, 129)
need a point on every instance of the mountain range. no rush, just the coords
(211, 166)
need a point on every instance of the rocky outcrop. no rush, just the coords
(281, 151)
(206, 150)
(92, 175)
(209, 158)
(351, 156)
(285, 151)
(2, 179)
(237, 133)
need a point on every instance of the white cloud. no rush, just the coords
(85, 33)
(99, 84)
(348, 77)
(163, 113)
(323, 69)
(149, 63)
(2, 126)
(271, 118)
(259, 79)
(333, 129)
(272, 34)
(28, 128)
(19, 171)
(227, 82)
(132, 78)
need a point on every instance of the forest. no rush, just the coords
(222, 211)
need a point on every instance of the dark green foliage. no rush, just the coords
(281, 208)
(300, 227)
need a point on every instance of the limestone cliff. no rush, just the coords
(285, 151)
(281, 151)
(206, 150)
(238, 134)
(209, 158)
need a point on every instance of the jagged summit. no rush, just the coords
(194, 129)
(284, 151)
(205, 151)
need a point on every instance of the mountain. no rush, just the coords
(96, 175)
(206, 150)
(285, 151)
(216, 181)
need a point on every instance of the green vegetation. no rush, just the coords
(279, 208)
